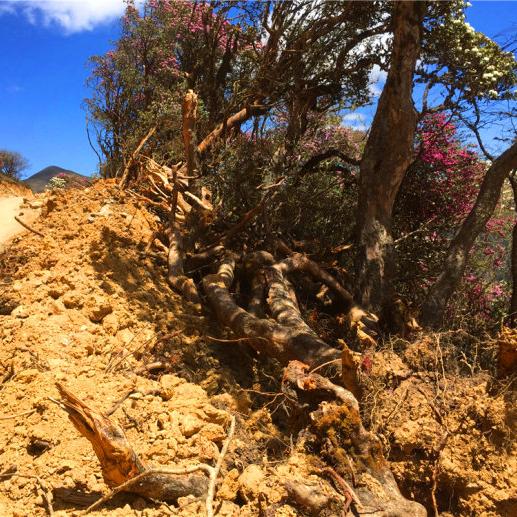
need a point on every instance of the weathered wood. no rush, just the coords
(119, 462)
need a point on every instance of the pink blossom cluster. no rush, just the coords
(456, 170)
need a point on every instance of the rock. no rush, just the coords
(57, 291)
(125, 336)
(229, 486)
(8, 303)
(104, 211)
(213, 432)
(20, 312)
(36, 204)
(168, 384)
(111, 324)
(49, 205)
(190, 425)
(72, 300)
(98, 308)
(249, 482)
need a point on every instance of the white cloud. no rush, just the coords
(376, 80)
(6, 8)
(356, 120)
(71, 15)
(354, 117)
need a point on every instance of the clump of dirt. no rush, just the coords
(450, 438)
(88, 305)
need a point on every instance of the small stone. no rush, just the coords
(98, 309)
(72, 300)
(168, 384)
(229, 486)
(249, 482)
(190, 425)
(20, 312)
(125, 336)
(111, 323)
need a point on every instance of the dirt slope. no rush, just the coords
(75, 304)
(87, 306)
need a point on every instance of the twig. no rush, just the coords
(24, 413)
(236, 340)
(347, 490)
(45, 492)
(436, 471)
(325, 364)
(25, 225)
(9, 471)
(158, 365)
(121, 400)
(216, 469)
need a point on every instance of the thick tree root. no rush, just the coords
(123, 470)
(335, 425)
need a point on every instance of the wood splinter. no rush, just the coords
(122, 469)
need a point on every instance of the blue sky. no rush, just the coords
(45, 48)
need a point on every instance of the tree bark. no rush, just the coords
(513, 302)
(275, 339)
(386, 157)
(176, 256)
(457, 256)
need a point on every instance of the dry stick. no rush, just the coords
(46, 495)
(212, 472)
(217, 468)
(348, 491)
(24, 413)
(325, 364)
(134, 154)
(121, 400)
(436, 471)
(158, 365)
(25, 225)
(236, 340)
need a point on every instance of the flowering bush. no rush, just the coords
(56, 183)
(436, 196)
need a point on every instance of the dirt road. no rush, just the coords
(9, 227)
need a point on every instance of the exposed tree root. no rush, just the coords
(123, 470)
(335, 423)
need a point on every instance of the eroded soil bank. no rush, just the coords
(88, 305)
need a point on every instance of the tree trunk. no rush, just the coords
(176, 256)
(386, 157)
(513, 302)
(457, 256)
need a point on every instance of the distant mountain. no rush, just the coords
(37, 182)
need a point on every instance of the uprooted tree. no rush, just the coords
(225, 119)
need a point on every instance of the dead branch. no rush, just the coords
(30, 228)
(121, 467)
(300, 262)
(134, 154)
(266, 336)
(17, 415)
(286, 337)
